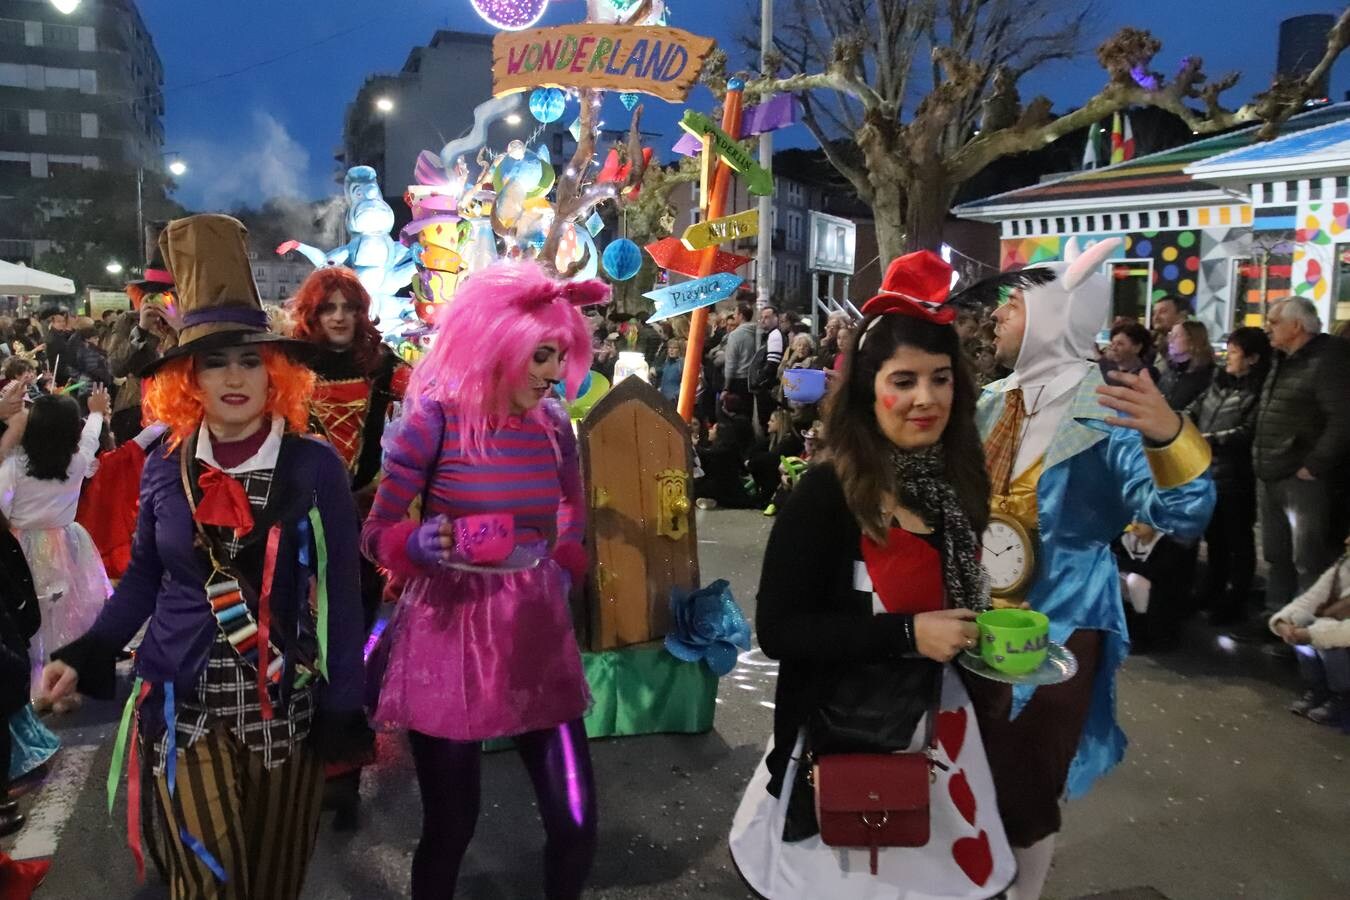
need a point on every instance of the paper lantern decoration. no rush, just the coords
(622, 259)
(547, 104)
(593, 387)
(510, 15)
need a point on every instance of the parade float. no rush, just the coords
(654, 642)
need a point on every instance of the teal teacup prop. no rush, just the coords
(1013, 641)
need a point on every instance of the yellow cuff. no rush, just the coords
(1182, 461)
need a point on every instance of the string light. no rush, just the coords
(510, 15)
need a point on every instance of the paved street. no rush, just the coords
(1224, 793)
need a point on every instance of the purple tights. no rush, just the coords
(558, 761)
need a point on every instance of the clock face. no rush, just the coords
(1006, 557)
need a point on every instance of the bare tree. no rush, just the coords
(927, 90)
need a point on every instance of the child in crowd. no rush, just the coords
(47, 455)
(1317, 625)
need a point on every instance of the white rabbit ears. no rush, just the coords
(1083, 263)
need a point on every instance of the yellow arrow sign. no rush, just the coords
(719, 231)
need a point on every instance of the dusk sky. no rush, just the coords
(271, 128)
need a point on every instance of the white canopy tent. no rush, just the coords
(19, 279)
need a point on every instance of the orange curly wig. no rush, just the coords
(309, 301)
(172, 395)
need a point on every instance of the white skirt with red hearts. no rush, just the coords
(967, 856)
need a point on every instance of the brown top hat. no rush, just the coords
(218, 301)
(155, 277)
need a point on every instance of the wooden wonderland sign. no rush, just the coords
(663, 62)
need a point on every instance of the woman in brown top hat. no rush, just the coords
(249, 677)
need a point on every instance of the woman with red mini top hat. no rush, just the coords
(871, 583)
(358, 381)
(249, 677)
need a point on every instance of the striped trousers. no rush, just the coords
(260, 824)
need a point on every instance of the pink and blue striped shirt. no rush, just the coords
(530, 470)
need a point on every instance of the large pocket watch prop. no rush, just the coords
(1009, 556)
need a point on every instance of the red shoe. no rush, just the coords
(18, 880)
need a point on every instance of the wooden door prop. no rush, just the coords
(636, 459)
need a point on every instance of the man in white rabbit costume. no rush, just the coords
(1067, 477)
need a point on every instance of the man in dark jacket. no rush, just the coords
(56, 334)
(1301, 448)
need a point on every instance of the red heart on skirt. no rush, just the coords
(951, 732)
(974, 857)
(964, 798)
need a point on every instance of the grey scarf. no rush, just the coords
(922, 487)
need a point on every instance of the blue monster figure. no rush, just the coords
(384, 265)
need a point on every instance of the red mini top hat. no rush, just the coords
(917, 284)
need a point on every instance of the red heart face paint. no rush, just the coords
(889, 402)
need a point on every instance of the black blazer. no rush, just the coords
(810, 617)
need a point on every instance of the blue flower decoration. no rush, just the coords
(707, 624)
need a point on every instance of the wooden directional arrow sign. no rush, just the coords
(719, 231)
(670, 254)
(678, 299)
(759, 181)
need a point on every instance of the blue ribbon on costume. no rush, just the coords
(708, 625)
(303, 528)
(170, 738)
(171, 772)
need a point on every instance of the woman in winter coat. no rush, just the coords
(1226, 416)
(1192, 364)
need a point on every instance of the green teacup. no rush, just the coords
(1013, 641)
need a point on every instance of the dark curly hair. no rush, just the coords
(52, 436)
(860, 452)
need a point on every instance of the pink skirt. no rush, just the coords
(474, 656)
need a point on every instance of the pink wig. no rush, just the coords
(486, 337)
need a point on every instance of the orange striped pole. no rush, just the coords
(714, 204)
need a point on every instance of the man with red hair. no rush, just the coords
(358, 378)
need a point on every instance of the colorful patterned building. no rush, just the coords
(1226, 223)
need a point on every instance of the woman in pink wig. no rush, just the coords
(480, 647)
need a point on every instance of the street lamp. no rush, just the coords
(66, 7)
(176, 167)
(114, 268)
(384, 104)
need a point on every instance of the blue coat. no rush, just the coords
(1095, 481)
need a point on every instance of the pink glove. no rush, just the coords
(573, 559)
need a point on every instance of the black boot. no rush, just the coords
(10, 823)
(342, 794)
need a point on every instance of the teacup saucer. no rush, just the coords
(520, 559)
(1060, 665)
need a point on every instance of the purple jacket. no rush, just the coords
(165, 582)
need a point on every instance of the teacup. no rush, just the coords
(1013, 641)
(485, 539)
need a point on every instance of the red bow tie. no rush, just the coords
(223, 502)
